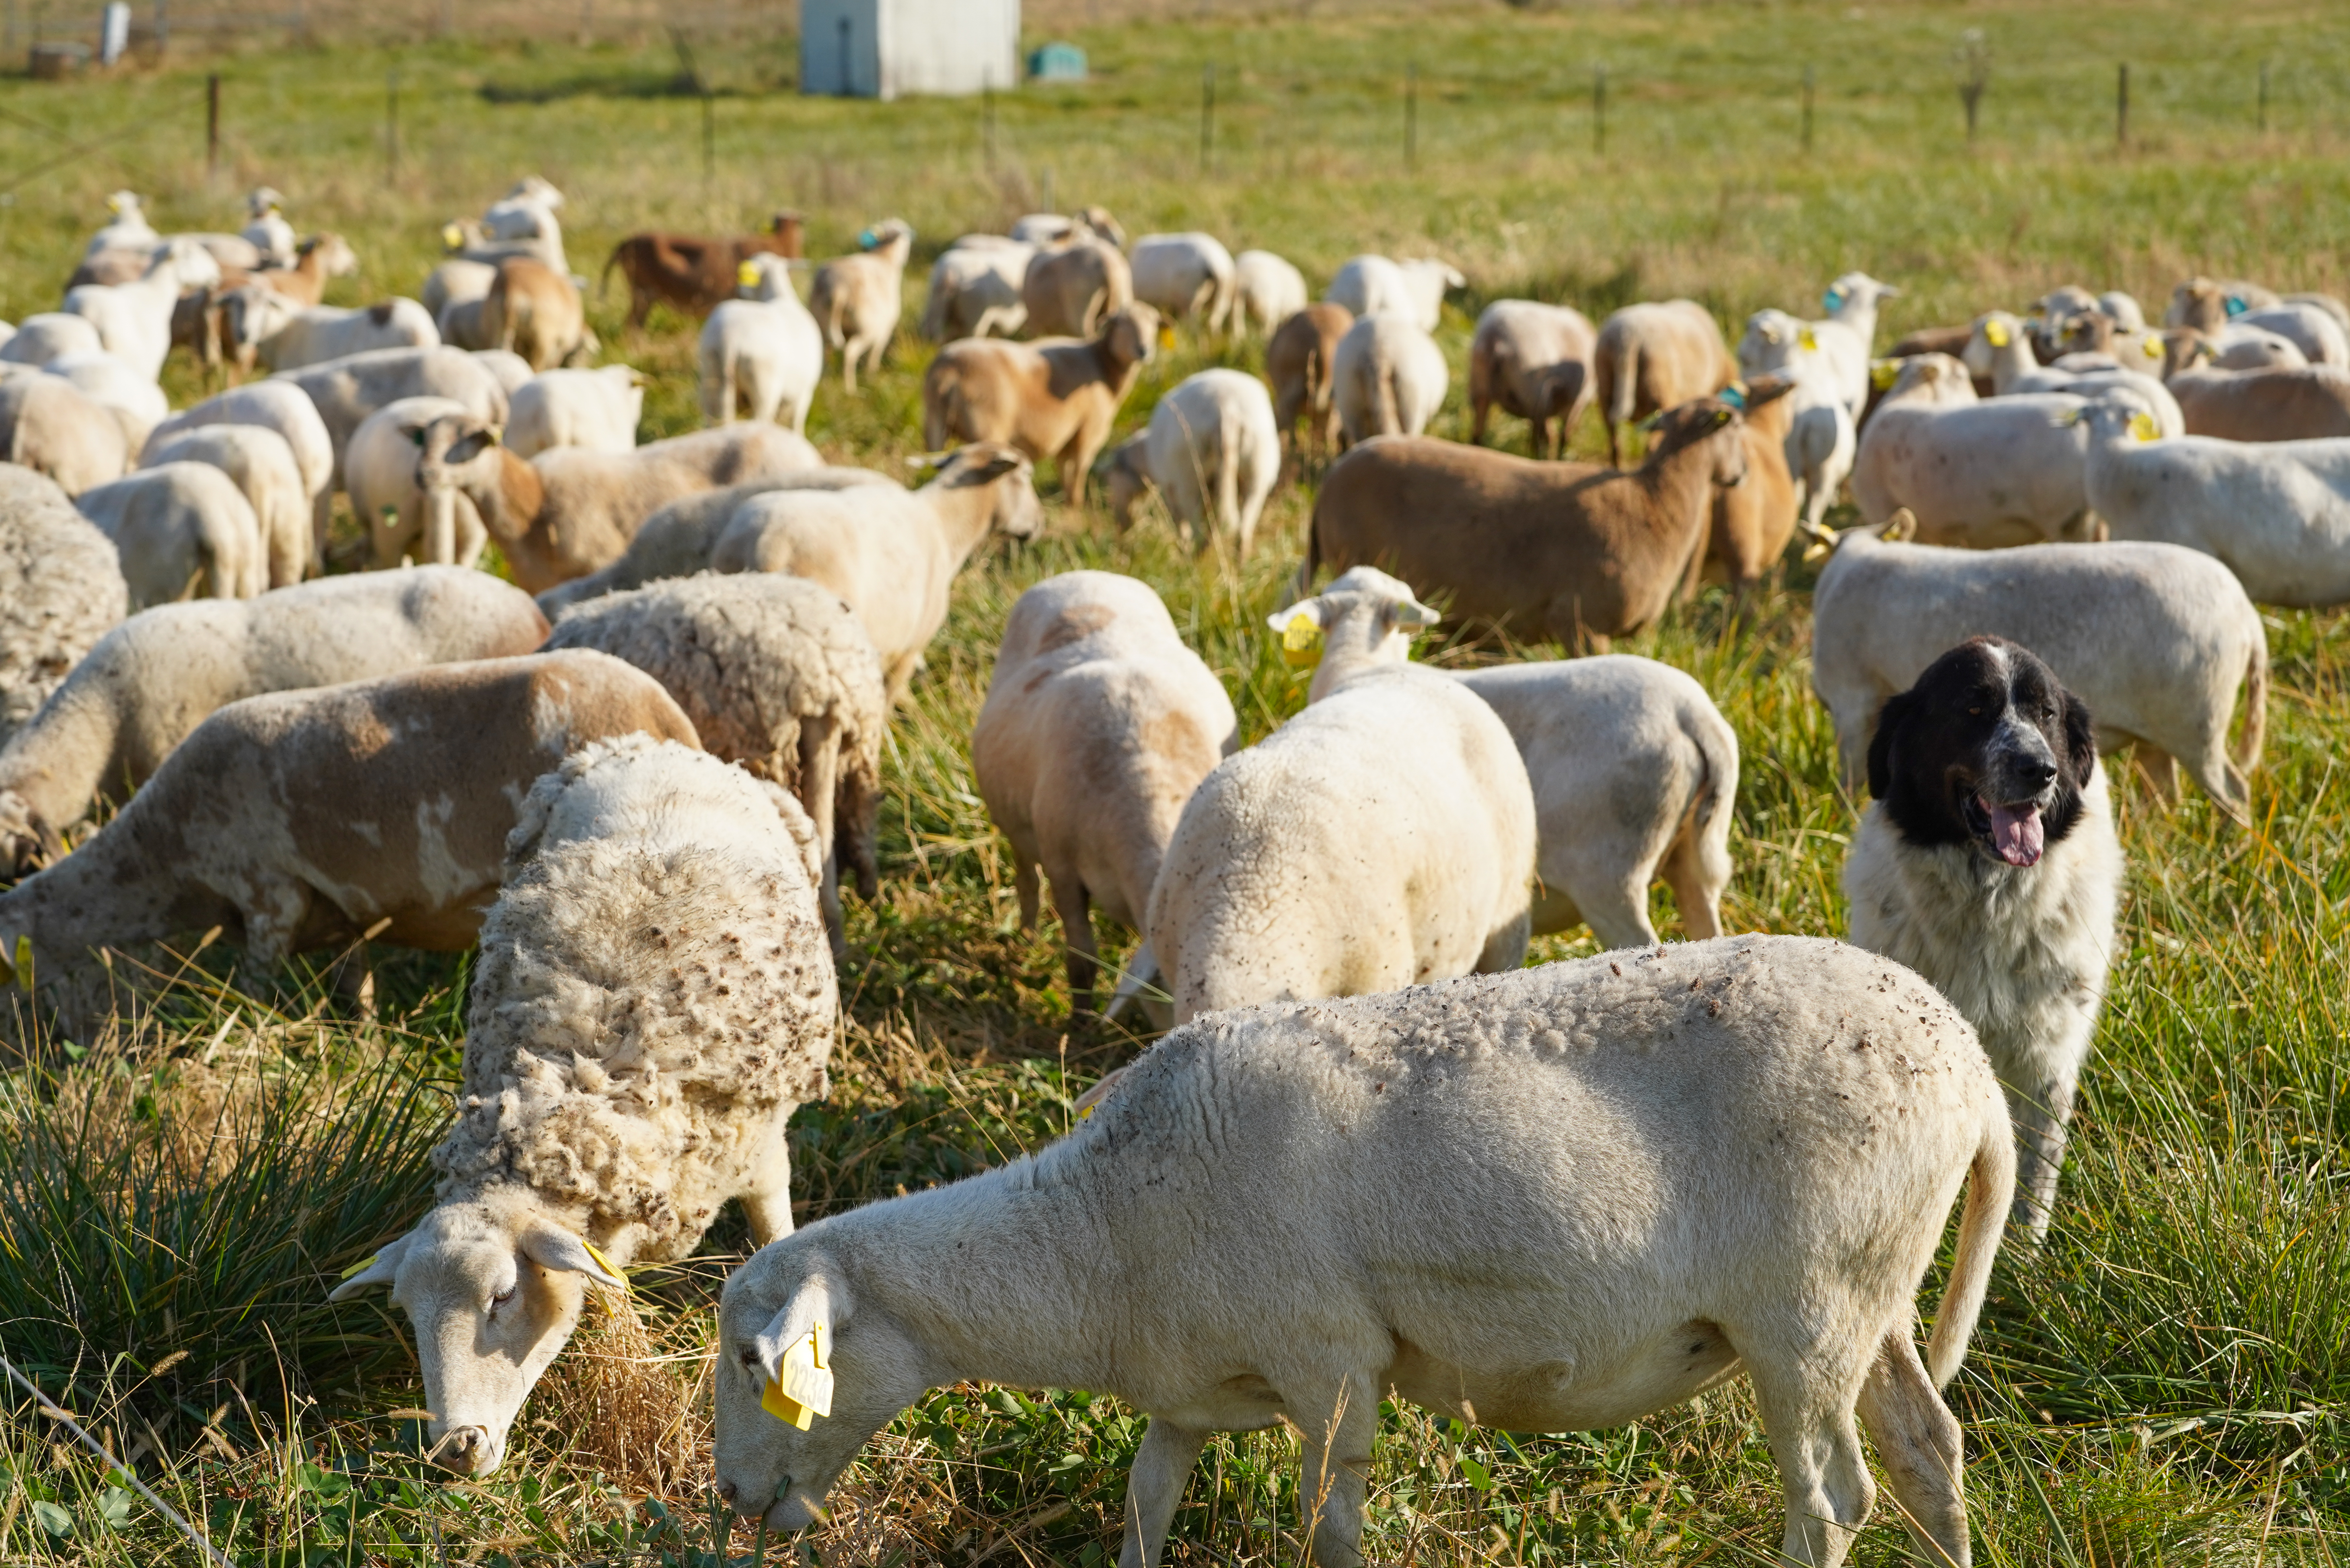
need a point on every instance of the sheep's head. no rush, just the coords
(454, 452)
(891, 237)
(1016, 514)
(1934, 379)
(335, 255)
(262, 201)
(1098, 221)
(124, 205)
(493, 1287)
(1710, 423)
(191, 264)
(1130, 335)
(2119, 415)
(763, 276)
(2200, 303)
(1772, 340)
(1126, 477)
(1996, 332)
(787, 1319)
(2086, 331)
(1856, 291)
(1365, 618)
(532, 189)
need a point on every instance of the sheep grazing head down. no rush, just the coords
(1016, 513)
(454, 452)
(494, 1287)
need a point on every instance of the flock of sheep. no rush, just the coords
(1376, 1153)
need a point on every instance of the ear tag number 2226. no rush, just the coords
(804, 1390)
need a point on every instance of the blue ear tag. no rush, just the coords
(2236, 306)
(1735, 396)
(864, 241)
(1832, 301)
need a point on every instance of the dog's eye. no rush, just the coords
(1975, 713)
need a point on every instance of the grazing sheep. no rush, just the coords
(452, 283)
(595, 411)
(1980, 474)
(1125, 477)
(1312, 865)
(1185, 276)
(891, 555)
(1535, 361)
(1556, 1198)
(50, 335)
(1039, 229)
(380, 473)
(1386, 378)
(1070, 291)
(51, 426)
(1049, 400)
(263, 467)
(1572, 552)
(761, 355)
(534, 310)
(134, 320)
(975, 290)
(184, 530)
(138, 405)
(1650, 358)
(151, 680)
(2155, 639)
(1267, 291)
(567, 511)
(1215, 452)
(2298, 403)
(857, 299)
(777, 676)
(60, 590)
(346, 391)
(1098, 724)
(1415, 289)
(693, 272)
(1635, 772)
(1821, 438)
(289, 338)
(1753, 520)
(653, 1000)
(2001, 350)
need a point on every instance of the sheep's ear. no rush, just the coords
(1887, 291)
(1283, 620)
(452, 238)
(378, 1269)
(1413, 613)
(495, 435)
(816, 1308)
(928, 460)
(1883, 373)
(1899, 528)
(566, 1253)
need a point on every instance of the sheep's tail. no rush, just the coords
(1990, 1190)
(2256, 706)
(1228, 478)
(828, 317)
(1383, 384)
(1622, 397)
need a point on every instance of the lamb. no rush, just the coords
(301, 820)
(134, 320)
(653, 1000)
(2153, 637)
(263, 467)
(891, 556)
(1298, 362)
(2303, 403)
(61, 589)
(151, 680)
(1535, 361)
(1635, 772)
(1753, 520)
(1386, 378)
(1415, 289)
(1571, 551)
(50, 335)
(287, 409)
(1185, 276)
(1984, 475)
(184, 530)
(1267, 290)
(975, 290)
(287, 338)
(266, 228)
(1311, 865)
(52, 427)
(777, 676)
(1821, 438)
(595, 411)
(1214, 452)
(380, 473)
(1650, 358)
(127, 227)
(1071, 290)
(2277, 514)
(693, 272)
(762, 355)
(1276, 1218)
(567, 511)
(856, 299)
(1098, 724)
(1049, 400)
(2000, 348)
(534, 310)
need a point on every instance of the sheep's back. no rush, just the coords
(61, 590)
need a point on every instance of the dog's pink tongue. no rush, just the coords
(2016, 835)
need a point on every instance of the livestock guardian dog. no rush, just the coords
(1987, 864)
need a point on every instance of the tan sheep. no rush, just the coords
(857, 299)
(1049, 400)
(1070, 288)
(1653, 356)
(535, 311)
(1298, 362)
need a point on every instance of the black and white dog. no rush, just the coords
(1988, 863)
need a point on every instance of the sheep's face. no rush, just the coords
(1016, 514)
(1125, 481)
(1132, 334)
(453, 450)
(1706, 421)
(1772, 341)
(1996, 332)
(1932, 380)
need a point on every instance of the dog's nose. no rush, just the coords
(2039, 771)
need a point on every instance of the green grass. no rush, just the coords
(2168, 1382)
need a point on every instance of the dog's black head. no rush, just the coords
(1986, 749)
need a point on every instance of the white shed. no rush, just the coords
(884, 49)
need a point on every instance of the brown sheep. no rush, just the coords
(693, 272)
(1048, 400)
(2302, 402)
(532, 310)
(1535, 361)
(1653, 357)
(1753, 520)
(1572, 552)
(1298, 361)
(1070, 288)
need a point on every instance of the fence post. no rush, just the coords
(987, 124)
(1207, 116)
(390, 126)
(211, 126)
(1811, 81)
(162, 26)
(2264, 97)
(709, 139)
(2121, 107)
(1412, 118)
(1599, 109)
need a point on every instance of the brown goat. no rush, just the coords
(1654, 356)
(1049, 400)
(1753, 520)
(1571, 552)
(1297, 363)
(693, 272)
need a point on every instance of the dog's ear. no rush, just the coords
(2080, 739)
(1889, 720)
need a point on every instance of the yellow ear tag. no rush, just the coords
(2151, 347)
(1301, 642)
(747, 274)
(2143, 427)
(606, 1264)
(362, 1266)
(1807, 338)
(25, 960)
(1996, 334)
(1884, 373)
(804, 1391)
(453, 236)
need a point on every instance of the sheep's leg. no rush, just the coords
(1479, 411)
(767, 1205)
(849, 349)
(1023, 882)
(1809, 1423)
(1616, 907)
(322, 517)
(1538, 436)
(1154, 1489)
(819, 784)
(1917, 1440)
(353, 979)
(2161, 770)
(1076, 909)
(273, 909)
(1697, 879)
(1335, 1470)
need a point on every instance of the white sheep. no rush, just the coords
(778, 677)
(1098, 724)
(380, 473)
(1313, 864)
(761, 355)
(61, 589)
(1983, 474)
(1386, 378)
(126, 227)
(266, 228)
(2000, 351)
(654, 998)
(52, 427)
(138, 405)
(151, 680)
(346, 391)
(454, 283)
(525, 211)
(1848, 338)
(1415, 289)
(1822, 441)
(49, 335)
(1267, 290)
(134, 320)
(856, 299)
(184, 530)
(1557, 1199)
(1635, 774)
(1185, 276)
(290, 337)
(264, 468)
(598, 411)
(975, 289)
(288, 410)
(1214, 452)
(509, 370)
(2308, 327)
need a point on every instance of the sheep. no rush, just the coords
(2208, 307)
(51, 426)
(292, 339)
(266, 228)
(315, 259)
(134, 320)
(1098, 724)
(1650, 358)
(1298, 360)
(138, 405)
(1571, 551)
(1185, 276)
(346, 391)
(461, 326)
(1386, 378)
(1635, 772)
(1041, 229)
(2000, 472)
(856, 299)
(1535, 361)
(2277, 514)
(1311, 865)
(1416, 288)
(2230, 348)
(1821, 440)
(891, 557)
(184, 530)
(975, 291)
(1215, 452)
(126, 228)
(1753, 520)
(1050, 399)
(1267, 290)
(2153, 637)
(50, 335)
(777, 676)
(596, 411)
(534, 310)
(1848, 338)
(286, 409)
(567, 511)
(153, 679)
(263, 467)
(380, 473)
(693, 272)
(653, 1000)
(1071, 290)
(2299, 404)
(61, 589)
(762, 355)
(1124, 474)
(454, 283)
(525, 211)
(1999, 348)
(2197, 298)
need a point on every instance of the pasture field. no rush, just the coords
(2166, 1382)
